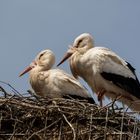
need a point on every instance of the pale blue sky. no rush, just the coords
(29, 26)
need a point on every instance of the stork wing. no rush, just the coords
(122, 74)
(71, 86)
(133, 71)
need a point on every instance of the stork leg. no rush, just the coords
(100, 95)
(113, 102)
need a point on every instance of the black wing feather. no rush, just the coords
(89, 99)
(133, 70)
(128, 84)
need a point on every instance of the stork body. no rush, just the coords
(53, 83)
(104, 71)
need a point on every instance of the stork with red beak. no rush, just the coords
(104, 71)
(53, 83)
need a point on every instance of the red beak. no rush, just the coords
(32, 65)
(67, 55)
(25, 71)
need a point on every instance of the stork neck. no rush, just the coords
(75, 64)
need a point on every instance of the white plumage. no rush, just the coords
(104, 71)
(53, 83)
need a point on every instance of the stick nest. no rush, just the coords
(35, 118)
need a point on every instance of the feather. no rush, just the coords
(126, 83)
(133, 71)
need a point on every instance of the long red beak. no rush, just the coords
(67, 55)
(25, 71)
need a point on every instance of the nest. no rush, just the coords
(35, 118)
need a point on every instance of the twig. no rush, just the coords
(5, 100)
(113, 101)
(35, 133)
(4, 91)
(74, 134)
(14, 131)
(122, 122)
(106, 122)
(134, 130)
(60, 131)
(46, 125)
(19, 103)
(90, 125)
(13, 89)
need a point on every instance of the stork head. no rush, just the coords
(43, 61)
(84, 40)
(82, 43)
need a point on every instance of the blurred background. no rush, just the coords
(29, 26)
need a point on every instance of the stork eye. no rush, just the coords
(41, 55)
(78, 43)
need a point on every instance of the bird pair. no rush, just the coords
(104, 71)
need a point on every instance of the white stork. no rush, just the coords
(104, 71)
(53, 83)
